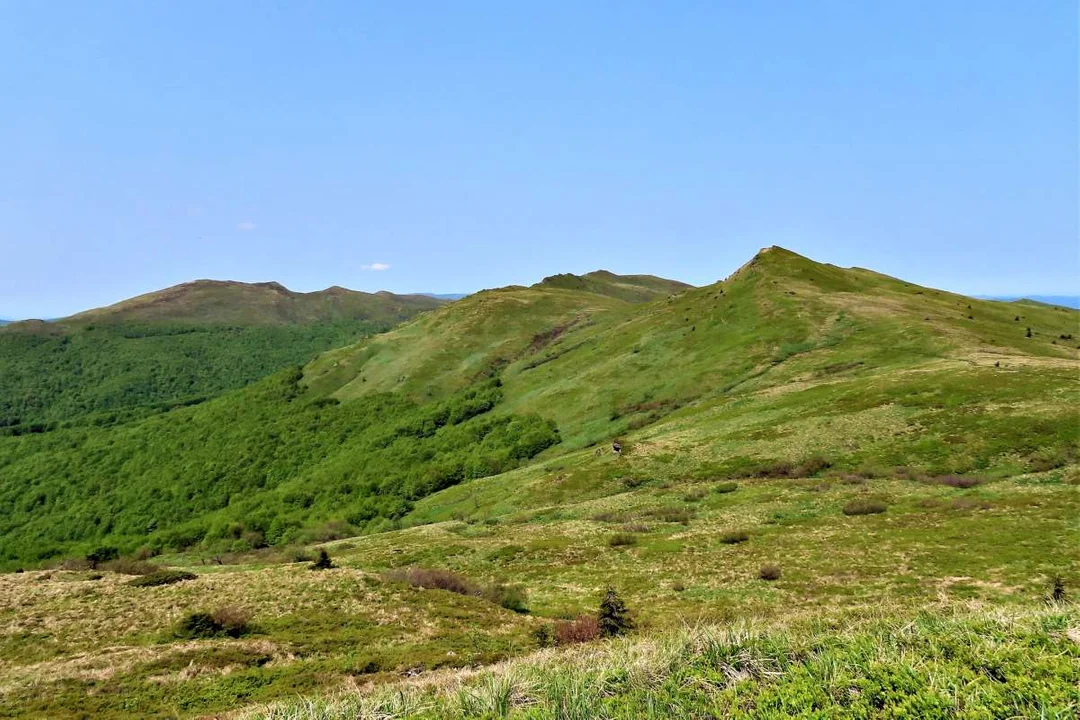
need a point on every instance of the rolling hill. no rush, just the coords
(837, 492)
(176, 346)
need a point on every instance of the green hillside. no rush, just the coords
(174, 347)
(838, 494)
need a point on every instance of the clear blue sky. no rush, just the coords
(470, 145)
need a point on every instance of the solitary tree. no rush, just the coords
(613, 618)
(1029, 332)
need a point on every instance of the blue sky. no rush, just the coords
(438, 146)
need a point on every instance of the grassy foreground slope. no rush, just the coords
(176, 346)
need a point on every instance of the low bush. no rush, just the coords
(632, 482)
(694, 495)
(734, 537)
(580, 630)
(958, 481)
(511, 597)
(162, 577)
(671, 515)
(727, 487)
(323, 562)
(544, 635)
(864, 506)
(635, 527)
(678, 586)
(622, 540)
(224, 622)
(130, 566)
(769, 572)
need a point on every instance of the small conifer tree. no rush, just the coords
(613, 617)
(1028, 332)
(323, 562)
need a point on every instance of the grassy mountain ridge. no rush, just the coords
(176, 346)
(218, 302)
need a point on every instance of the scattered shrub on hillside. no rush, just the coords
(506, 552)
(613, 618)
(130, 566)
(632, 482)
(678, 586)
(785, 469)
(511, 597)
(671, 515)
(726, 487)
(966, 503)
(635, 527)
(1028, 334)
(769, 572)
(544, 635)
(864, 506)
(734, 537)
(580, 630)
(323, 562)
(694, 495)
(958, 481)
(162, 577)
(622, 540)
(1057, 589)
(224, 622)
(101, 555)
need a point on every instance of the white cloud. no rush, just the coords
(378, 267)
(246, 226)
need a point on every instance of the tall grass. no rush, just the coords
(1022, 665)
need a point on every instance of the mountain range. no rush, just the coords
(796, 443)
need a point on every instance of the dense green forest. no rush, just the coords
(51, 375)
(263, 465)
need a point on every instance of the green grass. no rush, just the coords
(756, 408)
(977, 664)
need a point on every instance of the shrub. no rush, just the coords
(959, 481)
(769, 572)
(725, 487)
(323, 562)
(511, 597)
(635, 527)
(678, 586)
(694, 495)
(632, 482)
(671, 515)
(226, 621)
(162, 577)
(622, 539)
(130, 566)
(734, 537)
(544, 635)
(101, 555)
(580, 630)
(1057, 589)
(613, 617)
(864, 506)
(967, 503)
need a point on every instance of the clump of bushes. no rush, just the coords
(622, 540)
(959, 481)
(162, 577)
(323, 562)
(632, 482)
(101, 555)
(864, 506)
(635, 527)
(130, 566)
(769, 572)
(784, 469)
(579, 630)
(727, 487)
(734, 537)
(671, 515)
(1057, 589)
(227, 621)
(694, 495)
(511, 597)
